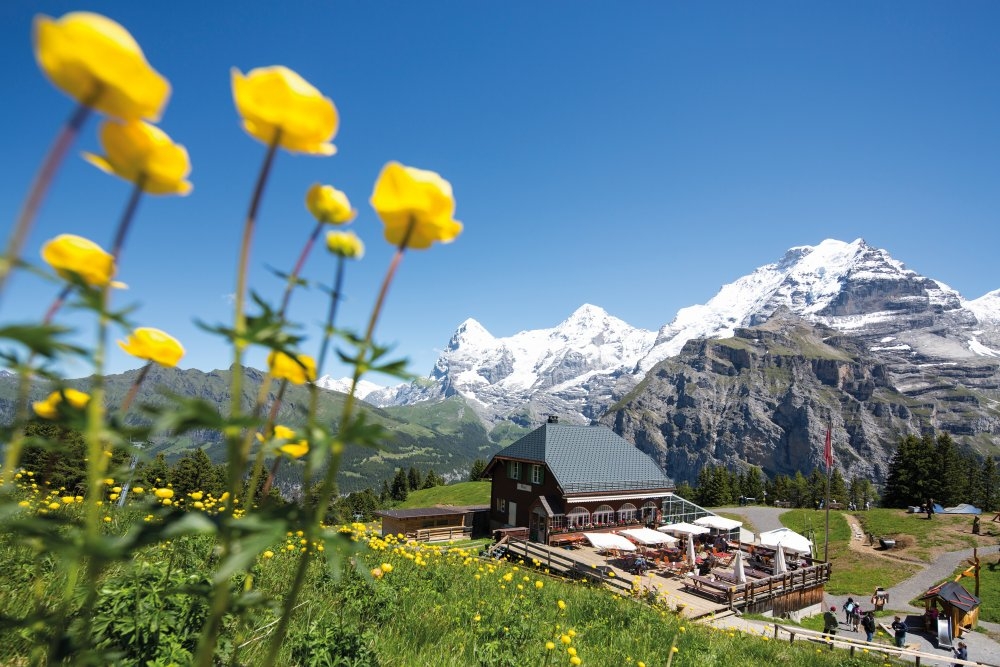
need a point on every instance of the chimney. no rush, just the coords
(553, 419)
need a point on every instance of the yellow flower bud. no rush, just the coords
(69, 255)
(153, 345)
(416, 206)
(97, 62)
(297, 369)
(145, 155)
(345, 244)
(48, 409)
(275, 101)
(329, 205)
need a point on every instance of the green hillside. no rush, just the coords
(460, 494)
(444, 436)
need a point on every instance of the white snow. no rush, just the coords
(343, 385)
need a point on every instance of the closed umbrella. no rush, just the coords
(779, 561)
(691, 550)
(738, 572)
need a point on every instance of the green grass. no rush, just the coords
(853, 572)
(462, 493)
(929, 538)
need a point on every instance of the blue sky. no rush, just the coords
(631, 155)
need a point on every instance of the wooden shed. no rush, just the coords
(428, 524)
(956, 604)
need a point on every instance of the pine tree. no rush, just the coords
(477, 469)
(400, 486)
(414, 480)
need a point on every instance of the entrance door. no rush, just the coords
(512, 513)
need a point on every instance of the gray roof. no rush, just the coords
(440, 510)
(588, 458)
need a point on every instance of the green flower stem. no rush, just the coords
(134, 391)
(258, 464)
(329, 485)
(40, 186)
(312, 529)
(239, 317)
(220, 591)
(299, 264)
(331, 315)
(97, 464)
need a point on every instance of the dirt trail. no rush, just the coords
(859, 543)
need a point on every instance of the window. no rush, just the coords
(578, 517)
(513, 470)
(649, 511)
(501, 505)
(604, 514)
(537, 474)
(626, 513)
(557, 522)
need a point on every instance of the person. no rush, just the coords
(830, 623)
(899, 627)
(930, 508)
(962, 652)
(855, 618)
(848, 610)
(975, 525)
(868, 623)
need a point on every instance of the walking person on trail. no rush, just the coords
(830, 623)
(848, 610)
(868, 623)
(899, 627)
(855, 619)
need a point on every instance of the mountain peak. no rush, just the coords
(470, 333)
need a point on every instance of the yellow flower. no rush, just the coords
(273, 99)
(565, 639)
(97, 62)
(68, 500)
(48, 409)
(268, 554)
(139, 490)
(549, 646)
(329, 205)
(405, 197)
(345, 244)
(139, 152)
(153, 345)
(69, 254)
(575, 660)
(674, 649)
(562, 605)
(164, 494)
(53, 506)
(377, 573)
(296, 369)
(539, 584)
(196, 495)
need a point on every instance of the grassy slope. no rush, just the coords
(463, 493)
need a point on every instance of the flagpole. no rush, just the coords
(828, 455)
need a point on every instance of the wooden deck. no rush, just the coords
(586, 562)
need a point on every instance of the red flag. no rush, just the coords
(828, 451)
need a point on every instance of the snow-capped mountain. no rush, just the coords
(581, 366)
(569, 368)
(343, 385)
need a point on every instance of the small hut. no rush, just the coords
(957, 604)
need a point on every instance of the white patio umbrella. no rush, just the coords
(690, 548)
(684, 528)
(787, 539)
(604, 541)
(647, 536)
(779, 561)
(718, 522)
(738, 571)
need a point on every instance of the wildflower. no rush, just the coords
(268, 554)
(53, 506)
(297, 369)
(107, 519)
(153, 345)
(416, 206)
(139, 490)
(477, 618)
(98, 63)
(571, 651)
(674, 649)
(196, 495)
(345, 244)
(145, 155)
(549, 646)
(387, 567)
(71, 255)
(565, 639)
(278, 104)
(329, 205)
(539, 585)
(68, 500)
(48, 409)
(377, 572)
(562, 605)
(167, 501)
(575, 660)
(682, 629)
(164, 494)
